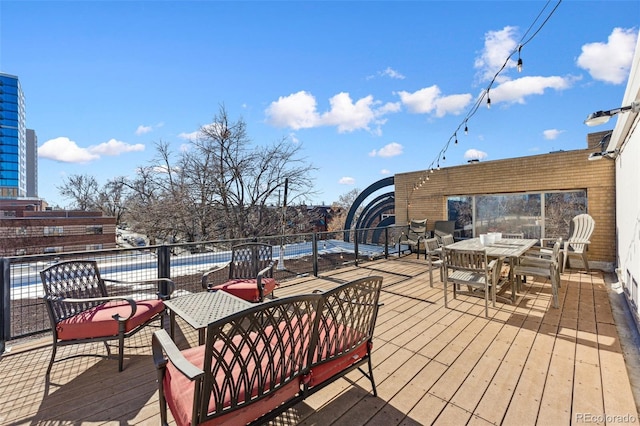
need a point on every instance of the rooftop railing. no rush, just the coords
(23, 313)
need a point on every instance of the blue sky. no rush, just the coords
(369, 89)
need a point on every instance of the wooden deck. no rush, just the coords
(526, 364)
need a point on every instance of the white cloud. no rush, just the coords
(390, 150)
(610, 62)
(347, 181)
(299, 111)
(474, 154)
(189, 136)
(67, 151)
(552, 134)
(385, 172)
(64, 150)
(390, 72)
(430, 100)
(142, 129)
(114, 147)
(498, 46)
(515, 91)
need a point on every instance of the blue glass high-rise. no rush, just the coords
(13, 139)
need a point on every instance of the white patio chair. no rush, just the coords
(580, 231)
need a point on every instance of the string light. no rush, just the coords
(519, 66)
(480, 99)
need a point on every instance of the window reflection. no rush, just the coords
(536, 215)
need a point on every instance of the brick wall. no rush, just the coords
(558, 171)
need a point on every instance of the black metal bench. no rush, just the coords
(261, 361)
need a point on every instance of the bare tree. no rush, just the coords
(111, 199)
(222, 186)
(342, 207)
(81, 190)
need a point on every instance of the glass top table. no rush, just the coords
(200, 309)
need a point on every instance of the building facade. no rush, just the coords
(13, 139)
(625, 140)
(24, 231)
(536, 195)
(31, 164)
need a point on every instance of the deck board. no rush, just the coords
(527, 364)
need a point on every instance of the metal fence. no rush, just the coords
(23, 313)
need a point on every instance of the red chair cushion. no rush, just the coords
(179, 390)
(247, 288)
(99, 322)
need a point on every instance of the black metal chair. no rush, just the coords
(82, 311)
(415, 234)
(250, 273)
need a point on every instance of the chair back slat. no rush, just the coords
(580, 229)
(345, 326)
(467, 260)
(249, 259)
(75, 279)
(513, 236)
(250, 353)
(445, 239)
(418, 226)
(431, 245)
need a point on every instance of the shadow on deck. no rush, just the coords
(526, 364)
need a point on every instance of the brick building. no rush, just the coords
(537, 176)
(25, 231)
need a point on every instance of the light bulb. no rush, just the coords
(519, 66)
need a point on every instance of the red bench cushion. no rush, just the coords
(246, 288)
(326, 370)
(179, 390)
(99, 322)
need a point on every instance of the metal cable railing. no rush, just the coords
(23, 313)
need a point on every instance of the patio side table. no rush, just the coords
(200, 309)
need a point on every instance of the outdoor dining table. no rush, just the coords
(200, 309)
(512, 248)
